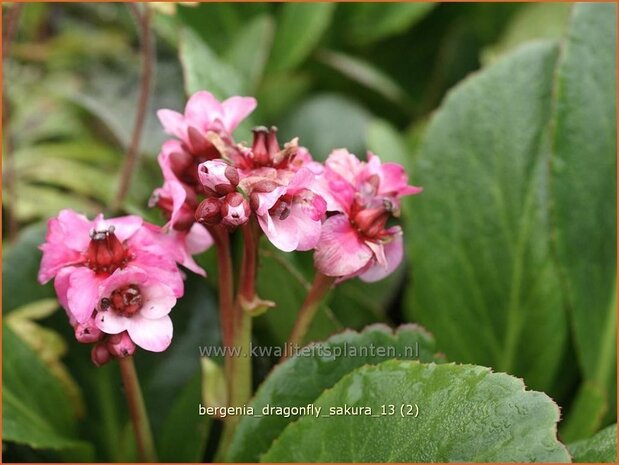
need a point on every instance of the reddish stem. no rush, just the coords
(131, 158)
(137, 409)
(321, 285)
(247, 281)
(221, 237)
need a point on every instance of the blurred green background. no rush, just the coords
(361, 76)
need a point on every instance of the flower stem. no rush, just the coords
(240, 376)
(137, 409)
(131, 158)
(221, 237)
(321, 285)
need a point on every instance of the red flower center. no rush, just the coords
(371, 222)
(105, 252)
(125, 301)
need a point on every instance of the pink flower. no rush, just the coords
(82, 255)
(69, 237)
(372, 182)
(356, 241)
(204, 113)
(291, 214)
(130, 300)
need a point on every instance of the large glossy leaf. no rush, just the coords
(600, 448)
(36, 409)
(442, 413)
(300, 380)
(584, 189)
(299, 29)
(483, 279)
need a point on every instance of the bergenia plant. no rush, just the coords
(119, 278)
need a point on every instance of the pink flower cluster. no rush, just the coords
(340, 209)
(117, 279)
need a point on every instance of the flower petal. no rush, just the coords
(61, 285)
(111, 323)
(125, 226)
(153, 335)
(83, 293)
(393, 252)
(340, 251)
(120, 278)
(173, 123)
(202, 110)
(158, 301)
(236, 109)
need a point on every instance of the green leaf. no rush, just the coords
(366, 74)
(465, 413)
(84, 150)
(46, 343)
(600, 448)
(204, 70)
(36, 409)
(218, 23)
(250, 49)
(20, 266)
(184, 434)
(300, 380)
(326, 122)
(483, 279)
(584, 189)
(370, 22)
(299, 29)
(533, 21)
(35, 202)
(278, 93)
(385, 141)
(586, 412)
(74, 176)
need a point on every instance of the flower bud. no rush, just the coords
(218, 176)
(120, 345)
(209, 211)
(87, 332)
(235, 210)
(100, 354)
